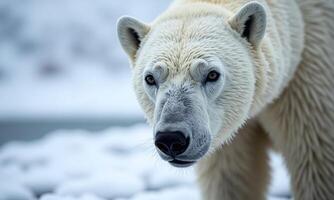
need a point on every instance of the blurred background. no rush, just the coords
(70, 125)
(61, 65)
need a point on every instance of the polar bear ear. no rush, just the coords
(130, 34)
(250, 21)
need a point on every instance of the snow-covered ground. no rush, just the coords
(117, 164)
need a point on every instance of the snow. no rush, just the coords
(64, 197)
(67, 65)
(176, 193)
(111, 185)
(12, 191)
(118, 163)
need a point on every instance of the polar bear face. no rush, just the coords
(194, 76)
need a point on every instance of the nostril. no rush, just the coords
(163, 147)
(171, 143)
(178, 148)
(181, 146)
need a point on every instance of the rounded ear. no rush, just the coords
(250, 22)
(130, 34)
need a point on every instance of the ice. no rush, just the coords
(118, 163)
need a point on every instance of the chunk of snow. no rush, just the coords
(109, 186)
(14, 191)
(42, 180)
(170, 177)
(176, 193)
(62, 197)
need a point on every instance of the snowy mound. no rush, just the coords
(119, 163)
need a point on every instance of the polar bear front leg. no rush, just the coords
(239, 170)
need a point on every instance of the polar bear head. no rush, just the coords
(194, 74)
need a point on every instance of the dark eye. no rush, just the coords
(212, 76)
(149, 79)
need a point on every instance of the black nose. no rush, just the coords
(171, 143)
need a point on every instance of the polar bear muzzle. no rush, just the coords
(181, 132)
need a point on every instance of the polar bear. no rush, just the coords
(221, 81)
